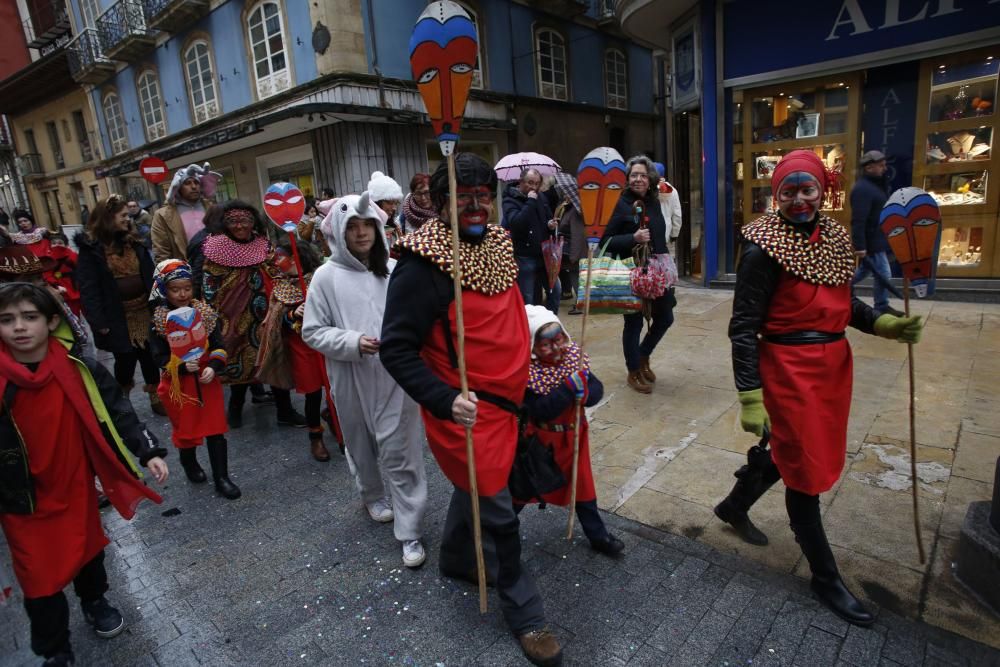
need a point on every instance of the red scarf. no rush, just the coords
(120, 486)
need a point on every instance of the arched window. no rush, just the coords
(550, 54)
(150, 103)
(112, 107)
(201, 81)
(615, 79)
(479, 73)
(268, 49)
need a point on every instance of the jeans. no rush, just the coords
(663, 317)
(532, 280)
(880, 261)
(49, 615)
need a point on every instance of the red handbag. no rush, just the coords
(648, 279)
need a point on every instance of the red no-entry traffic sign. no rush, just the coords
(153, 169)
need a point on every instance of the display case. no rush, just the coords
(954, 157)
(821, 115)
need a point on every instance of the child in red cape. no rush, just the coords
(61, 277)
(63, 420)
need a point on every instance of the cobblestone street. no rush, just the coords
(295, 573)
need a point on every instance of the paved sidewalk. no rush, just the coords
(294, 573)
(666, 459)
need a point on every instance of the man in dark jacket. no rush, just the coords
(526, 214)
(868, 196)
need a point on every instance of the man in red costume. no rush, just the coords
(418, 348)
(793, 365)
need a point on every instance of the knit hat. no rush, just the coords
(167, 271)
(660, 169)
(382, 188)
(799, 160)
(17, 260)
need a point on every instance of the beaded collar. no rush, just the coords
(208, 317)
(824, 258)
(287, 291)
(224, 251)
(27, 238)
(543, 378)
(488, 267)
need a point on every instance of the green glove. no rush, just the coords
(753, 415)
(903, 329)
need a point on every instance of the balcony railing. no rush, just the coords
(123, 30)
(31, 164)
(87, 63)
(49, 21)
(174, 15)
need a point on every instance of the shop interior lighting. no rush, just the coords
(940, 66)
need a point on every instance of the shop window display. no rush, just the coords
(971, 145)
(961, 189)
(963, 90)
(961, 247)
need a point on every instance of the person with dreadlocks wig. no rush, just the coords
(239, 275)
(793, 365)
(418, 348)
(188, 347)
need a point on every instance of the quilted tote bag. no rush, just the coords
(610, 285)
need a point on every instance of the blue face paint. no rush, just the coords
(799, 196)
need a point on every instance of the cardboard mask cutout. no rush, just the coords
(443, 50)
(186, 334)
(284, 205)
(600, 180)
(911, 222)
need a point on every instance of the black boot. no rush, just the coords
(826, 582)
(218, 456)
(287, 415)
(189, 461)
(234, 415)
(752, 481)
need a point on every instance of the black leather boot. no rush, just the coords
(189, 461)
(752, 481)
(826, 582)
(218, 456)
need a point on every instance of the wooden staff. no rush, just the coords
(579, 401)
(470, 452)
(913, 428)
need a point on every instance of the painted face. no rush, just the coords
(284, 204)
(911, 222)
(799, 196)
(550, 344)
(186, 334)
(240, 229)
(24, 224)
(360, 236)
(475, 205)
(443, 50)
(600, 179)
(25, 331)
(285, 262)
(179, 293)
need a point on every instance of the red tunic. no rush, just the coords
(62, 276)
(562, 447)
(50, 546)
(807, 388)
(308, 365)
(191, 423)
(497, 349)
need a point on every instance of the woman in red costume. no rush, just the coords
(418, 349)
(61, 277)
(793, 365)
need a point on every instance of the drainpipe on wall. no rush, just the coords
(378, 72)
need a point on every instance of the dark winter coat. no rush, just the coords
(527, 220)
(619, 233)
(102, 305)
(868, 196)
(196, 259)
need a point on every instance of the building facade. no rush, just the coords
(916, 80)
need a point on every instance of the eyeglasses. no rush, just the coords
(239, 222)
(421, 193)
(639, 177)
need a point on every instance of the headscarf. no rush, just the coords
(167, 271)
(799, 160)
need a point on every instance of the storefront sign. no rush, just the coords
(757, 40)
(686, 68)
(889, 122)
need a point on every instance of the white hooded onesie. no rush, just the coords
(383, 430)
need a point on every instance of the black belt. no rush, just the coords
(803, 338)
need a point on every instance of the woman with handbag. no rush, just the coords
(637, 226)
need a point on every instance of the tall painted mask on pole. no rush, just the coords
(600, 180)
(911, 222)
(284, 204)
(443, 50)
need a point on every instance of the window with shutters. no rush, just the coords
(201, 81)
(550, 56)
(615, 79)
(117, 134)
(268, 49)
(150, 102)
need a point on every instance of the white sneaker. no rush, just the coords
(380, 510)
(413, 553)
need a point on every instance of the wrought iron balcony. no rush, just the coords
(123, 30)
(49, 21)
(87, 63)
(31, 164)
(174, 15)
(566, 9)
